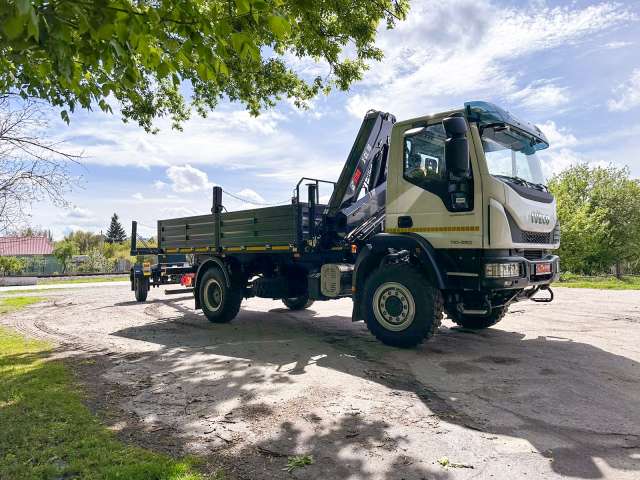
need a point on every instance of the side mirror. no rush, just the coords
(456, 146)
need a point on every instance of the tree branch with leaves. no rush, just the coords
(142, 54)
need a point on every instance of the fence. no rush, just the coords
(43, 265)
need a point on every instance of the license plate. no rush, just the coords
(543, 268)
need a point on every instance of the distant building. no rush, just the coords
(25, 246)
(36, 251)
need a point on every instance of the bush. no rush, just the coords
(11, 266)
(97, 262)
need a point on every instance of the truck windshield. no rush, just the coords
(510, 154)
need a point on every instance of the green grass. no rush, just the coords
(8, 305)
(47, 433)
(298, 461)
(55, 281)
(605, 283)
(28, 290)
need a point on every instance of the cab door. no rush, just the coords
(418, 195)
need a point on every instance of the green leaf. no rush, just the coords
(23, 6)
(33, 28)
(105, 32)
(279, 26)
(13, 27)
(65, 116)
(259, 4)
(243, 7)
(238, 40)
(164, 69)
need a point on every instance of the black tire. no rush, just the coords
(220, 303)
(477, 322)
(141, 288)
(298, 303)
(408, 291)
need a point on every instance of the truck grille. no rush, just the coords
(523, 236)
(536, 237)
(539, 237)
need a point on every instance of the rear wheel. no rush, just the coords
(477, 322)
(402, 308)
(220, 302)
(141, 288)
(297, 303)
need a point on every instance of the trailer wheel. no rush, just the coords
(297, 303)
(220, 303)
(402, 308)
(141, 288)
(477, 322)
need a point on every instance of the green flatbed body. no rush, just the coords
(280, 228)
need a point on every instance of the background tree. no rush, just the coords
(599, 212)
(85, 54)
(32, 168)
(29, 231)
(85, 241)
(116, 233)
(64, 251)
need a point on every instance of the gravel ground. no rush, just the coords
(552, 392)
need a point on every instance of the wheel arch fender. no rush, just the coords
(212, 262)
(378, 247)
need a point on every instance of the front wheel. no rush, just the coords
(297, 303)
(402, 308)
(477, 322)
(141, 288)
(220, 302)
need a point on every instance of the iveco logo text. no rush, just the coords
(541, 218)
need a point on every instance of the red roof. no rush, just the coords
(16, 246)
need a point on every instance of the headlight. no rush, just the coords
(502, 270)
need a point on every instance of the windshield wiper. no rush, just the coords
(526, 183)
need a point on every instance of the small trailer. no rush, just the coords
(445, 213)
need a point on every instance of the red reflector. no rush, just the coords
(543, 268)
(186, 280)
(357, 175)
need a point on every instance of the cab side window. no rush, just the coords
(424, 163)
(424, 155)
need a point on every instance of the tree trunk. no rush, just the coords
(618, 271)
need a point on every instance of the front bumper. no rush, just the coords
(526, 277)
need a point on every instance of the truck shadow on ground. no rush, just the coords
(573, 402)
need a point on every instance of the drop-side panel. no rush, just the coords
(285, 225)
(187, 232)
(259, 227)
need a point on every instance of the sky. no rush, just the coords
(572, 68)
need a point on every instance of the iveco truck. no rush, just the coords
(440, 214)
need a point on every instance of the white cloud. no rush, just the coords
(559, 137)
(159, 185)
(614, 45)
(77, 213)
(187, 179)
(540, 95)
(251, 195)
(137, 196)
(628, 94)
(438, 57)
(171, 212)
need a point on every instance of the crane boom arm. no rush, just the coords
(365, 157)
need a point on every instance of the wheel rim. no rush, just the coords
(213, 294)
(394, 306)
